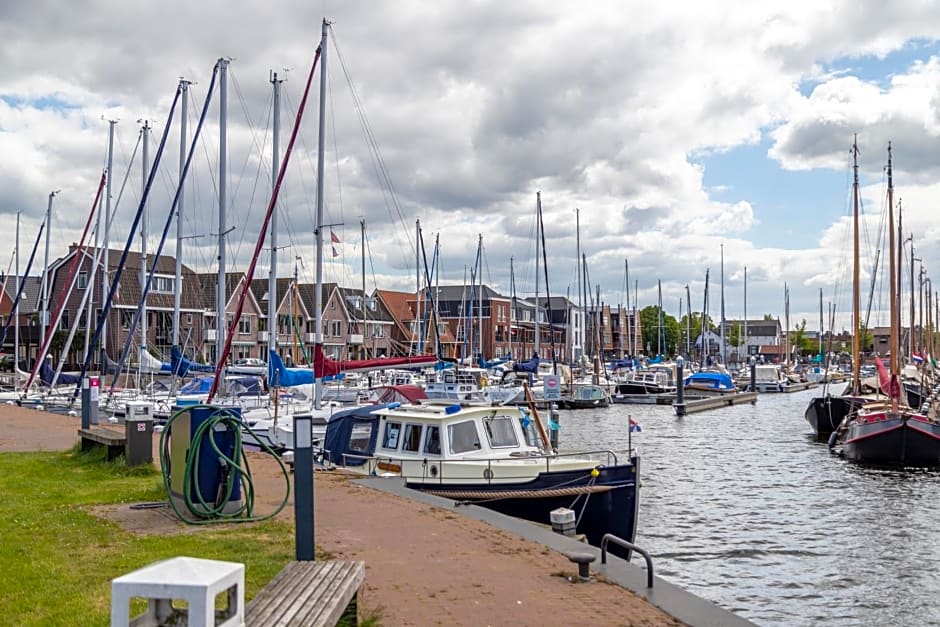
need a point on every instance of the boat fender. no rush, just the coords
(832, 439)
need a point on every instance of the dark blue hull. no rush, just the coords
(610, 507)
(898, 439)
(825, 413)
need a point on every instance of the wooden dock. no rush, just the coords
(697, 404)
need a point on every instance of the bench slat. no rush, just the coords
(307, 593)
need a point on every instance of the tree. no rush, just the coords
(768, 318)
(865, 339)
(652, 336)
(798, 339)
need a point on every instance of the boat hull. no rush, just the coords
(888, 438)
(605, 504)
(825, 413)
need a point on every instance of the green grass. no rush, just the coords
(57, 558)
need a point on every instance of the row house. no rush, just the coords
(155, 332)
(566, 316)
(28, 326)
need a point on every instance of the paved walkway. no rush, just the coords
(425, 565)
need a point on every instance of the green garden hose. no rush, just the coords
(203, 510)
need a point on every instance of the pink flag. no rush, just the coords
(334, 239)
(335, 254)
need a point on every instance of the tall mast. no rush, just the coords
(786, 323)
(724, 348)
(893, 342)
(362, 229)
(16, 310)
(659, 319)
(512, 296)
(577, 266)
(418, 293)
(145, 164)
(820, 322)
(856, 304)
(688, 324)
(538, 211)
(318, 231)
(45, 275)
(178, 273)
(275, 165)
(626, 331)
(480, 296)
(745, 310)
(105, 277)
(223, 226)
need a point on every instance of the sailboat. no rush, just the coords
(887, 431)
(827, 412)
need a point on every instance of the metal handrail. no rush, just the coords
(609, 537)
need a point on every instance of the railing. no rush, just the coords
(609, 537)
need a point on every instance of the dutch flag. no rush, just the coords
(917, 358)
(634, 425)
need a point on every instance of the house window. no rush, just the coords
(127, 317)
(244, 325)
(82, 280)
(83, 319)
(189, 318)
(64, 320)
(337, 328)
(162, 284)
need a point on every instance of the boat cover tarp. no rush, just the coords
(617, 364)
(339, 441)
(710, 379)
(492, 362)
(532, 365)
(249, 385)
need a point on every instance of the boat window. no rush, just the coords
(463, 437)
(500, 432)
(392, 430)
(432, 441)
(361, 438)
(412, 441)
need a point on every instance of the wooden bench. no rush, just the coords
(308, 593)
(113, 439)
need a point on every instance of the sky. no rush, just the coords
(670, 138)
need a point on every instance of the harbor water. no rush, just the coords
(740, 506)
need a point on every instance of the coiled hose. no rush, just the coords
(203, 511)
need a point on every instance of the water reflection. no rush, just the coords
(739, 506)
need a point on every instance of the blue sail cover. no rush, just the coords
(181, 366)
(617, 364)
(282, 376)
(531, 365)
(46, 373)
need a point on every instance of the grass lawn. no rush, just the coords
(57, 558)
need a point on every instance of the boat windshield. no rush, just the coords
(463, 437)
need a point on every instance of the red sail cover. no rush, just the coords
(323, 366)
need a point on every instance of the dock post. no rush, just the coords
(680, 387)
(303, 489)
(753, 363)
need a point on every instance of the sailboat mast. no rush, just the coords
(105, 277)
(724, 348)
(538, 211)
(145, 163)
(178, 270)
(418, 330)
(786, 323)
(275, 166)
(856, 303)
(577, 271)
(480, 296)
(318, 231)
(820, 322)
(362, 231)
(912, 344)
(16, 308)
(893, 274)
(626, 314)
(223, 226)
(45, 275)
(745, 312)
(659, 320)
(688, 324)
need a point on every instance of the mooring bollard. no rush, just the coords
(680, 384)
(753, 362)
